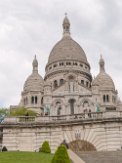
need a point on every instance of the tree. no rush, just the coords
(3, 113)
(61, 155)
(45, 147)
(22, 112)
(4, 149)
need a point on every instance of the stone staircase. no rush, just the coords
(101, 157)
(74, 157)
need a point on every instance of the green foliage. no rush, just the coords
(22, 112)
(4, 149)
(61, 155)
(45, 147)
(25, 157)
(4, 111)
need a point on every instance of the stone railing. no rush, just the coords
(75, 117)
(19, 119)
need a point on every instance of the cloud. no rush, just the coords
(33, 27)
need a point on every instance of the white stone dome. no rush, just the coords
(67, 49)
(34, 82)
(103, 80)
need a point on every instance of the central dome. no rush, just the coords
(67, 49)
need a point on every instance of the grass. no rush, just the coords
(25, 157)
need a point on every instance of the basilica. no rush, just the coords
(68, 87)
(70, 104)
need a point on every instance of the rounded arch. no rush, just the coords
(84, 101)
(81, 145)
(56, 101)
(72, 105)
(59, 110)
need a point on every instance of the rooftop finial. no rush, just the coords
(66, 26)
(102, 64)
(35, 64)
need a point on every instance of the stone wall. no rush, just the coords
(103, 134)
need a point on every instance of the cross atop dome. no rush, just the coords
(66, 26)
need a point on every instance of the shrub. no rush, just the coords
(22, 112)
(45, 147)
(61, 155)
(4, 149)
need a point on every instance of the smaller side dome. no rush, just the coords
(34, 82)
(103, 80)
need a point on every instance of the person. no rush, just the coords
(65, 143)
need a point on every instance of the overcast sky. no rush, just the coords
(29, 27)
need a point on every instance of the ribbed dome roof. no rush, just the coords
(103, 80)
(34, 82)
(67, 48)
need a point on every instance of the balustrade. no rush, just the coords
(63, 118)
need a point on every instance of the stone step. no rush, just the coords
(74, 157)
(101, 157)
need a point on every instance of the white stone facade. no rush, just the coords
(71, 104)
(68, 87)
(102, 130)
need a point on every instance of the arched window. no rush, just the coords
(42, 111)
(59, 111)
(68, 63)
(36, 99)
(85, 104)
(81, 65)
(104, 100)
(42, 101)
(72, 102)
(55, 65)
(61, 81)
(61, 63)
(82, 82)
(32, 100)
(107, 98)
(75, 63)
(55, 83)
(57, 103)
(87, 84)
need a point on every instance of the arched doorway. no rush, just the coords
(72, 103)
(81, 145)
